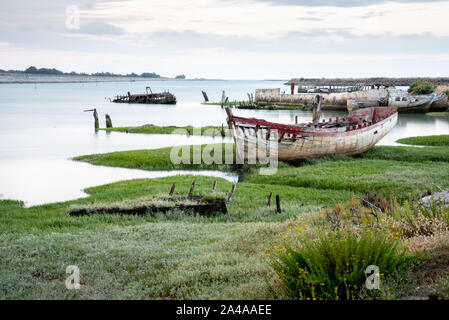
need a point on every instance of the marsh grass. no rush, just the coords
(153, 129)
(438, 140)
(331, 265)
(357, 176)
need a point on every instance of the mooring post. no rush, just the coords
(108, 121)
(95, 114)
(278, 204)
(206, 98)
(231, 195)
(223, 99)
(317, 101)
(223, 133)
(191, 189)
(269, 199)
(214, 186)
(172, 190)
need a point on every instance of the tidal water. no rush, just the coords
(43, 125)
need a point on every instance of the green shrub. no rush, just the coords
(333, 265)
(421, 87)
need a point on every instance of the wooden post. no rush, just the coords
(278, 204)
(191, 189)
(231, 195)
(223, 99)
(317, 101)
(214, 186)
(172, 190)
(108, 121)
(206, 98)
(223, 133)
(269, 199)
(296, 119)
(96, 122)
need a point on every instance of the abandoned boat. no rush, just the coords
(349, 135)
(148, 98)
(400, 99)
(410, 103)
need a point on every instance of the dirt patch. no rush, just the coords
(433, 268)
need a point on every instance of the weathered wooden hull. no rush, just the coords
(439, 104)
(273, 96)
(147, 98)
(305, 141)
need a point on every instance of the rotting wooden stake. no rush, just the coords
(172, 190)
(191, 188)
(206, 98)
(214, 186)
(108, 121)
(269, 199)
(278, 204)
(95, 114)
(223, 99)
(231, 195)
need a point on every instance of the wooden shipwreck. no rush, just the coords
(348, 135)
(148, 98)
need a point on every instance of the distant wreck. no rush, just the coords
(147, 98)
(354, 96)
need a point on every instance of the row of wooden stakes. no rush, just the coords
(230, 195)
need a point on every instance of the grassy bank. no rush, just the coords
(440, 140)
(153, 129)
(176, 256)
(259, 107)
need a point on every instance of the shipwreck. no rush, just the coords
(148, 98)
(349, 135)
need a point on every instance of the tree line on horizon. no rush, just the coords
(53, 71)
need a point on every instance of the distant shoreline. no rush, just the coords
(35, 79)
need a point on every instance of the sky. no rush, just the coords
(229, 39)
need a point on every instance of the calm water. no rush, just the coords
(42, 126)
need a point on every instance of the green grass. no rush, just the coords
(163, 256)
(358, 176)
(332, 265)
(182, 256)
(439, 140)
(153, 129)
(261, 106)
(146, 261)
(159, 159)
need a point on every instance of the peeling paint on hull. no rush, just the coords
(305, 141)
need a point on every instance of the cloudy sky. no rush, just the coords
(229, 39)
